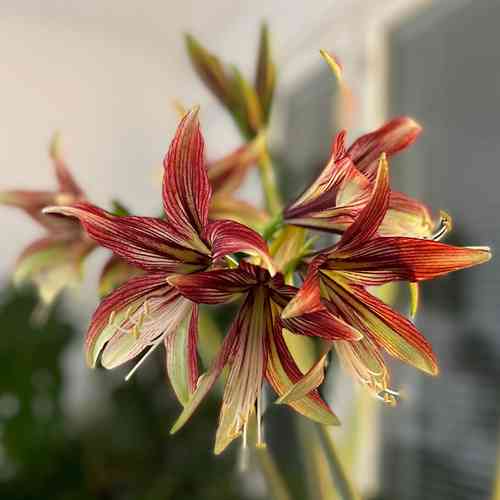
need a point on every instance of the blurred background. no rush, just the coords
(105, 75)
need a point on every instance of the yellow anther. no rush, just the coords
(128, 313)
(135, 332)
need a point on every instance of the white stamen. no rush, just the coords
(139, 363)
(260, 442)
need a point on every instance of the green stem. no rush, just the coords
(345, 489)
(273, 226)
(276, 484)
(269, 184)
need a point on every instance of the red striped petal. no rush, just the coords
(386, 259)
(144, 242)
(226, 237)
(394, 136)
(213, 287)
(369, 219)
(335, 197)
(308, 298)
(186, 190)
(323, 325)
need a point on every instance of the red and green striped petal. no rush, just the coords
(282, 373)
(208, 379)
(394, 136)
(310, 381)
(381, 324)
(248, 364)
(144, 242)
(186, 190)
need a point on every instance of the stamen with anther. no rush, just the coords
(446, 225)
(260, 442)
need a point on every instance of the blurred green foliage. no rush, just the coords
(123, 452)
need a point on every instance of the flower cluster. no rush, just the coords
(209, 247)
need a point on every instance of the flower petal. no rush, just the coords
(226, 237)
(213, 287)
(186, 190)
(208, 379)
(115, 273)
(308, 298)
(52, 265)
(310, 381)
(227, 174)
(407, 217)
(248, 365)
(67, 183)
(392, 137)
(365, 362)
(181, 357)
(322, 324)
(369, 219)
(152, 319)
(282, 373)
(381, 324)
(225, 206)
(114, 309)
(144, 242)
(386, 259)
(334, 199)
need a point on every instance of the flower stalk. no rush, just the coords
(345, 489)
(269, 183)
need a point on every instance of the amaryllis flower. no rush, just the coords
(254, 350)
(146, 311)
(344, 186)
(337, 278)
(55, 260)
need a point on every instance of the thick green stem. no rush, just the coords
(269, 184)
(275, 483)
(344, 487)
